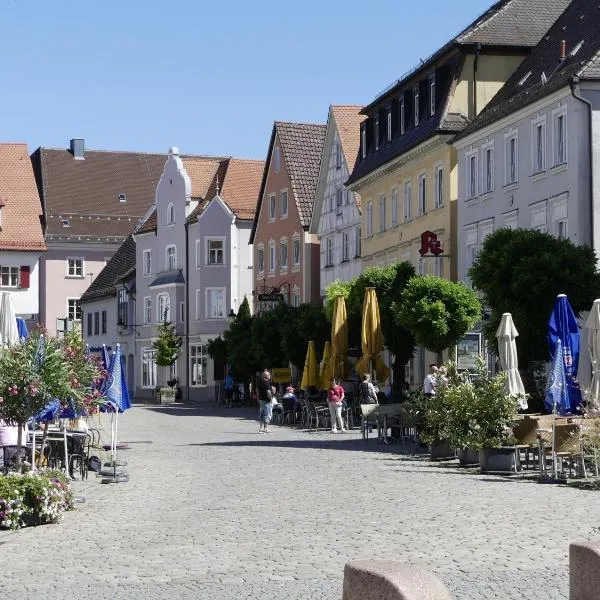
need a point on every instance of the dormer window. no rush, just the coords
(416, 105)
(402, 117)
(389, 125)
(363, 140)
(432, 95)
(171, 214)
(376, 133)
(65, 223)
(122, 198)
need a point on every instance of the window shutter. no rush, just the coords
(24, 273)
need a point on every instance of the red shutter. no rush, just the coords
(24, 273)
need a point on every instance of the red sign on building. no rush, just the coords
(430, 244)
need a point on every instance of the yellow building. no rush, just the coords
(406, 172)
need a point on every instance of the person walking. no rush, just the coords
(430, 381)
(335, 397)
(265, 396)
(368, 393)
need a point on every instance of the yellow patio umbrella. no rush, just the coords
(310, 375)
(325, 369)
(371, 339)
(339, 337)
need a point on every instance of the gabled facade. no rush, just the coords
(406, 173)
(193, 265)
(108, 308)
(286, 254)
(527, 161)
(92, 200)
(336, 211)
(21, 237)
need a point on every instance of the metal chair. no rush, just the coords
(11, 456)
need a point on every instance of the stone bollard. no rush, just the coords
(390, 580)
(584, 571)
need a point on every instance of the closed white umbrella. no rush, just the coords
(507, 349)
(9, 332)
(593, 326)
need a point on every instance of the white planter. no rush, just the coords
(499, 460)
(167, 395)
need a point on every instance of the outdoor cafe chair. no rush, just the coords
(369, 418)
(11, 454)
(317, 414)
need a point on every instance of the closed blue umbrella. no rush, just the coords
(22, 328)
(557, 395)
(563, 326)
(117, 395)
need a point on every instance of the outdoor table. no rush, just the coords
(385, 412)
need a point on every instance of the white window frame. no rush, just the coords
(484, 229)
(148, 360)
(472, 174)
(329, 252)
(296, 300)
(363, 140)
(147, 262)
(416, 107)
(439, 186)
(345, 246)
(72, 273)
(208, 303)
(283, 265)
(208, 251)
(148, 310)
(272, 207)
(198, 358)
(167, 261)
(559, 215)
(438, 266)
(338, 155)
(260, 250)
(369, 218)
(407, 200)
(382, 211)
(339, 201)
(557, 114)
(539, 216)
(394, 206)
(421, 267)
(508, 157)
(402, 117)
(277, 159)
(376, 132)
(171, 214)
(487, 183)
(432, 105)
(296, 244)
(272, 257)
(511, 219)
(389, 125)
(76, 306)
(283, 205)
(537, 124)
(357, 244)
(160, 307)
(422, 205)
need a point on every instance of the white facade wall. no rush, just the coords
(549, 194)
(339, 221)
(26, 300)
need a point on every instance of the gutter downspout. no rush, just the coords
(187, 313)
(576, 94)
(475, 67)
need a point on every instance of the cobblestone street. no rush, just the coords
(213, 510)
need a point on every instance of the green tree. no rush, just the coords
(167, 345)
(389, 283)
(438, 312)
(217, 350)
(336, 288)
(267, 336)
(522, 271)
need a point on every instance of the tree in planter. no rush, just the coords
(217, 350)
(389, 283)
(522, 271)
(437, 311)
(167, 345)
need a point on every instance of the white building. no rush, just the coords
(336, 211)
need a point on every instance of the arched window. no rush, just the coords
(171, 214)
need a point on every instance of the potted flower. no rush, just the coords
(481, 418)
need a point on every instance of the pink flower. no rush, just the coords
(1, 399)
(13, 390)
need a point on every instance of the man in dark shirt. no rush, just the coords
(265, 395)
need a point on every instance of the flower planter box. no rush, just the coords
(468, 457)
(167, 395)
(441, 449)
(499, 460)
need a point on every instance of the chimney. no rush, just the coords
(563, 49)
(78, 148)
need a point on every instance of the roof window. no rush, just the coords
(65, 222)
(524, 78)
(122, 197)
(576, 49)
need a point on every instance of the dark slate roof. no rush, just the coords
(121, 264)
(580, 22)
(168, 278)
(302, 146)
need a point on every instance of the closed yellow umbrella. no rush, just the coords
(339, 337)
(371, 338)
(310, 375)
(325, 369)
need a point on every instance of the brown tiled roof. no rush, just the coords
(148, 225)
(86, 192)
(348, 120)
(118, 267)
(202, 173)
(21, 225)
(241, 186)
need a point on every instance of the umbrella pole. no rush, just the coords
(554, 465)
(33, 448)
(66, 451)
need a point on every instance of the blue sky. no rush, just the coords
(210, 77)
